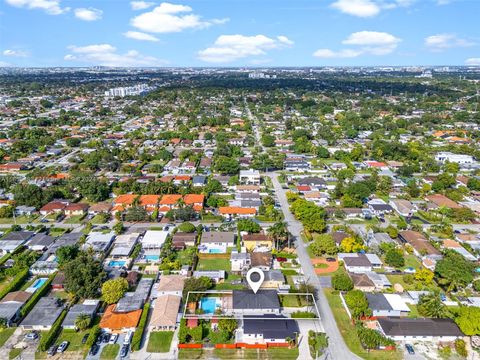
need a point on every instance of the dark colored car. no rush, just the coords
(281, 259)
(94, 349)
(84, 339)
(106, 338)
(331, 259)
(124, 351)
(410, 349)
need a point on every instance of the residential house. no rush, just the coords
(250, 177)
(240, 262)
(43, 315)
(217, 276)
(171, 285)
(262, 260)
(124, 245)
(99, 242)
(256, 241)
(40, 242)
(263, 302)
(419, 243)
(421, 329)
(274, 279)
(165, 313)
(230, 212)
(216, 242)
(403, 207)
(182, 239)
(387, 305)
(14, 239)
(154, 239)
(268, 328)
(75, 209)
(117, 322)
(88, 307)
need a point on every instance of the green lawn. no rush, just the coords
(19, 220)
(214, 264)
(77, 219)
(5, 335)
(14, 353)
(294, 301)
(252, 354)
(413, 311)
(412, 261)
(190, 353)
(347, 330)
(110, 352)
(160, 341)
(398, 279)
(98, 219)
(74, 338)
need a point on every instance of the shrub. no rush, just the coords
(460, 348)
(342, 282)
(92, 337)
(15, 283)
(303, 314)
(137, 336)
(49, 338)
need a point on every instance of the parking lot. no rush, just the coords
(119, 341)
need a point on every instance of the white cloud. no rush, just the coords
(441, 42)
(107, 55)
(90, 14)
(229, 48)
(51, 7)
(169, 18)
(141, 5)
(15, 53)
(365, 43)
(137, 35)
(368, 8)
(360, 8)
(473, 61)
(330, 54)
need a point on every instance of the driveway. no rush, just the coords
(337, 346)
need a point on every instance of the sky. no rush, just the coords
(253, 33)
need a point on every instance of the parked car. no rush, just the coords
(410, 270)
(84, 339)
(128, 338)
(410, 349)
(63, 346)
(52, 350)
(94, 349)
(106, 338)
(31, 336)
(331, 259)
(124, 351)
(281, 259)
(113, 339)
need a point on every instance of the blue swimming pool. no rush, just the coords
(209, 304)
(39, 282)
(152, 257)
(215, 251)
(116, 263)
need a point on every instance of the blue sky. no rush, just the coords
(239, 32)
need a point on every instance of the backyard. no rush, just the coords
(214, 264)
(349, 334)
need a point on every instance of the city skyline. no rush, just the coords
(208, 33)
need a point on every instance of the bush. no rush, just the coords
(303, 314)
(476, 285)
(36, 296)
(137, 336)
(460, 348)
(15, 283)
(187, 227)
(92, 337)
(342, 282)
(372, 339)
(49, 338)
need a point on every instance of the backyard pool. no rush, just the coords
(116, 263)
(215, 251)
(209, 304)
(39, 282)
(152, 257)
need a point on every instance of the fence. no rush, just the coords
(236, 346)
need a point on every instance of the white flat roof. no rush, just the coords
(154, 237)
(396, 302)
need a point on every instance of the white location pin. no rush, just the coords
(255, 278)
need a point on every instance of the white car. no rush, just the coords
(128, 338)
(113, 339)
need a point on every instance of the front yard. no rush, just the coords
(110, 352)
(159, 341)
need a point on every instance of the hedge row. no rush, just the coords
(49, 338)
(92, 337)
(18, 280)
(137, 336)
(36, 296)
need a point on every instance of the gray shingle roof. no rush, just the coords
(263, 299)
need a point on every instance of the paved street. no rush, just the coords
(337, 347)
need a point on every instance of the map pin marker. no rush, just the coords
(255, 278)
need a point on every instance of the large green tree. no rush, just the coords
(84, 276)
(113, 290)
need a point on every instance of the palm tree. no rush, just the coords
(82, 322)
(431, 305)
(279, 231)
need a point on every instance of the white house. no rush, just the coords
(445, 156)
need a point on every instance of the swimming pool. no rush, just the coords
(39, 282)
(152, 257)
(209, 304)
(215, 251)
(116, 263)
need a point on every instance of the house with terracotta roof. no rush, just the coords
(455, 246)
(194, 200)
(236, 211)
(53, 207)
(442, 201)
(116, 322)
(149, 202)
(169, 202)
